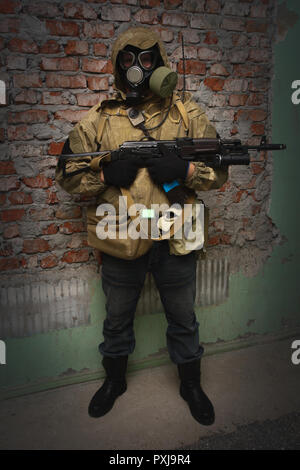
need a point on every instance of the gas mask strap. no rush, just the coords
(147, 130)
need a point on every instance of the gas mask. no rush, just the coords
(144, 70)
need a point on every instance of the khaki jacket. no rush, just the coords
(107, 125)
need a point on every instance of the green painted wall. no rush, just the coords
(266, 304)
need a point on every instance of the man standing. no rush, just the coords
(145, 106)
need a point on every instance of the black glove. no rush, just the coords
(168, 167)
(120, 173)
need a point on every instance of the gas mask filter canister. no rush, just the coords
(140, 72)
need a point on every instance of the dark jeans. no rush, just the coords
(175, 278)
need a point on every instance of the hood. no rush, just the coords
(140, 37)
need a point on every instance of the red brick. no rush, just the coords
(97, 30)
(258, 129)
(192, 67)
(100, 49)
(11, 231)
(174, 19)
(54, 80)
(248, 70)
(10, 215)
(54, 97)
(257, 169)
(239, 39)
(206, 53)
(51, 229)
(2, 199)
(259, 84)
(256, 99)
(40, 181)
(26, 97)
(63, 63)
(238, 195)
(97, 66)
(242, 115)
(8, 264)
(16, 62)
(62, 28)
(88, 99)
(256, 210)
(237, 100)
(9, 25)
(212, 241)
(79, 48)
(50, 47)
(115, 13)
(225, 239)
(55, 148)
(215, 84)
(150, 3)
(218, 69)
(165, 34)
(258, 115)
(147, 16)
(72, 227)
(7, 168)
(6, 249)
(51, 197)
(9, 183)
(72, 212)
(212, 6)
(20, 198)
(252, 183)
(42, 214)
(171, 4)
(85, 12)
(258, 11)
(97, 83)
(9, 6)
(37, 245)
(49, 262)
(211, 38)
(233, 24)
(23, 45)
(19, 133)
(76, 256)
(253, 26)
(28, 117)
(225, 187)
(260, 55)
(70, 115)
(30, 80)
(43, 9)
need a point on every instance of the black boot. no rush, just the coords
(190, 390)
(113, 386)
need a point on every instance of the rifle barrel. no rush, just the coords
(267, 147)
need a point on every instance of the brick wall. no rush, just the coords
(55, 63)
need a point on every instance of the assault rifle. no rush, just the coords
(213, 152)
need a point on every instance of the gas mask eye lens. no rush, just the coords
(146, 60)
(127, 59)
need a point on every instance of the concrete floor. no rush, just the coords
(248, 385)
